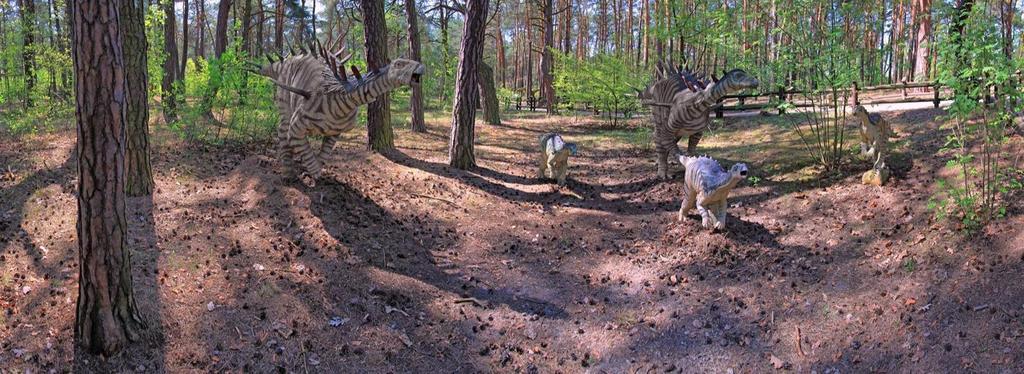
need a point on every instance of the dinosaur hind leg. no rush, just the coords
(691, 143)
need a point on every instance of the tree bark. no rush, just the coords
(546, 81)
(139, 172)
(184, 39)
(246, 23)
(460, 145)
(28, 27)
(416, 101)
(201, 26)
(220, 38)
(170, 76)
(279, 27)
(106, 318)
(924, 29)
(488, 95)
(499, 47)
(380, 136)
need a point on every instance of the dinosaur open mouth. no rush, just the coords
(417, 75)
(743, 173)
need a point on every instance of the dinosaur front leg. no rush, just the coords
(720, 225)
(707, 219)
(560, 170)
(689, 202)
(301, 151)
(691, 143)
(327, 148)
(542, 172)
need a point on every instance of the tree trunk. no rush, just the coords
(546, 81)
(924, 29)
(201, 26)
(170, 64)
(499, 48)
(582, 34)
(28, 27)
(220, 38)
(416, 101)
(488, 95)
(380, 136)
(246, 23)
(184, 39)
(460, 145)
(1006, 12)
(261, 19)
(139, 172)
(106, 318)
(279, 27)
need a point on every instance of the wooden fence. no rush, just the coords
(883, 94)
(897, 93)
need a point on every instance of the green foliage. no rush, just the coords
(973, 65)
(823, 78)
(604, 81)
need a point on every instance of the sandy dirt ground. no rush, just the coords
(398, 263)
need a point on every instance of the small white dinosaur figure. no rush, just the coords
(706, 186)
(554, 155)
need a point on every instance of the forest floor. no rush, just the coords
(399, 263)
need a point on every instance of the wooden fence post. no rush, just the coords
(904, 82)
(937, 88)
(856, 98)
(782, 97)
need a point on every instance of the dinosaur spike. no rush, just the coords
(689, 85)
(271, 59)
(334, 68)
(280, 58)
(320, 48)
(355, 72)
(292, 50)
(713, 79)
(344, 76)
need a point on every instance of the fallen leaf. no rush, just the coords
(777, 363)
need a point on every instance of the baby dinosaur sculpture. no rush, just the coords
(554, 155)
(874, 135)
(681, 105)
(706, 186)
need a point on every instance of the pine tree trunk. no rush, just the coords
(924, 28)
(201, 27)
(139, 172)
(460, 145)
(416, 101)
(279, 27)
(246, 24)
(28, 27)
(220, 37)
(499, 47)
(184, 39)
(170, 76)
(488, 95)
(380, 136)
(106, 318)
(546, 81)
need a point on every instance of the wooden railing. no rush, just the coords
(891, 94)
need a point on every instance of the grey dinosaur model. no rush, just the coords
(706, 186)
(554, 156)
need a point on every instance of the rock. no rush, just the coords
(210, 306)
(337, 321)
(777, 363)
(875, 177)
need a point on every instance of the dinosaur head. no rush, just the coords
(860, 111)
(738, 172)
(403, 72)
(740, 80)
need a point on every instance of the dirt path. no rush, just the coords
(401, 264)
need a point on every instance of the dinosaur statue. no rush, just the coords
(315, 96)
(874, 135)
(681, 107)
(706, 186)
(554, 155)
